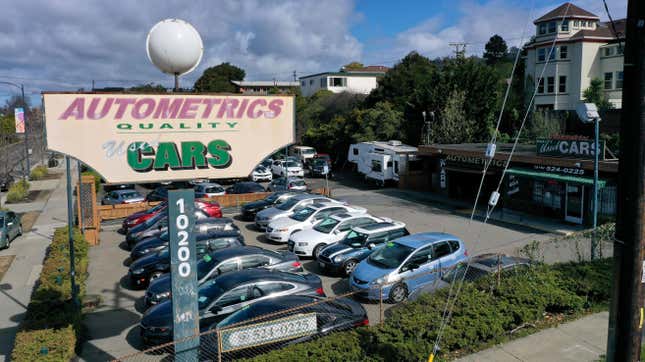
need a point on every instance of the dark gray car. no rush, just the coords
(225, 261)
(117, 197)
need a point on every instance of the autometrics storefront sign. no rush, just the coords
(144, 137)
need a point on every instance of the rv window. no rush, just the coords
(376, 166)
(396, 166)
(355, 151)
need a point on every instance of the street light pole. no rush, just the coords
(594, 238)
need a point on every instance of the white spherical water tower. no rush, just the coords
(175, 47)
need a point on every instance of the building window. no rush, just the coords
(619, 80)
(609, 79)
(609, 51)
(562, 84)
(564, 52)
(550, 84)
(564, 26)
(583, 23)
(548, 194)
(311, 81)
(541, 54)
(576, 24)
(552, 27)
(541, 86)
(302, 83)
(619, 50)
(337, 82)
(542, 29)
(323, 82)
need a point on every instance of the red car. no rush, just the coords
(141, 216)
(210, 208)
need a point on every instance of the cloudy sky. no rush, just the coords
(65, 44)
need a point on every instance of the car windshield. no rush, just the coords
(130, 195)
(288, 205)
(298, 183)
(207, 294)
(214, 189)
(272, 198)
(354, 239)
(319, 162)
(158, 207)
(205, 265)
(302, 214)
(163, 253)
(251, 187)
(391, 256)
(292, 164)
(473, 273)
(308, 151)
(164, 235)
(326, 226)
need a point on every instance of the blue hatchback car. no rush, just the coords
(407, 265)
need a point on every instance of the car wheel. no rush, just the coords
(398, 293)
(155, 275)
(317, 250)
(349, 266)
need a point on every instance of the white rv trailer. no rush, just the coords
(381, 161)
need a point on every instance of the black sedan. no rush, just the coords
(205, 242)
(246, 187)
(226, 294)
(274, 323)
(161, 227)
(155, 264)
(252, 208)
(225, 261)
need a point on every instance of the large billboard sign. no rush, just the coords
(157, 137)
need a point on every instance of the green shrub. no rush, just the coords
(18, 191)
(485, 312)
(52, 320)
(38, 172)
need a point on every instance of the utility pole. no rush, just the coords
(460, 49)
(626, 309)
(26, 110)
(295, 77)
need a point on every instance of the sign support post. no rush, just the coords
(183, 268)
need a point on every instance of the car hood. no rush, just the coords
(294, 169)
(336, 249)
(368, 272)
(254, 205)
(146, 262)
(284, 222)
(160, 285)
(261, 172)
(310, 235)
(272, 212)
(148, 243)
(159, 315)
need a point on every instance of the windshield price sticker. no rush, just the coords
(268, 332)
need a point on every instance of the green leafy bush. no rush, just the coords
(18, 191)
(52, 320)
(484, 314)
(38, 172)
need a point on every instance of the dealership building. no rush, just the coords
(553, 178)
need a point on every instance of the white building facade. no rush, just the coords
(359, 81)
(585, 49)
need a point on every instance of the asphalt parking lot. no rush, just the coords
(112, 327)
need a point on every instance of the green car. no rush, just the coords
(10, 227)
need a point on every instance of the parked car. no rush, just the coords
(246, 187)
(319, 167)
(249, 210)
(310, 242)
(6, 181)
(287, 184)
(261, 173)
(330, 316)
(160, 193)
(208, 189)
(359, 243)
(325, 157)
(264, 217)
(282, 229)
(303, 153)
(404, 265)
(202, 226)
(113, 187)
(227, 294)
(203, 239)
(117, 197)
(287, 168)
(141, 216)
(225, 261)
(154, 264)
(10, 227)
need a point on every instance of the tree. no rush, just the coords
(218, 78)
(453, 125)
(379, 123)
(353, 66)
(148, 88)
(495, 49)
(595, 94)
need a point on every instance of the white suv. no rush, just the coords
(287, 169)
(281, 229)
(328, 231)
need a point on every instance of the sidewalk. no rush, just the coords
(29, 249)
(582, 340)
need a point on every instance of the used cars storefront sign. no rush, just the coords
(577, 148)
(146, 137)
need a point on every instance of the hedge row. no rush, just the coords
(38, 172)
(484, 314)
(18, 191)
(52, 324)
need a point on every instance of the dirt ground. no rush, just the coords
(5, 263)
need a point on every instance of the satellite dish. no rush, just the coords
(174, 46)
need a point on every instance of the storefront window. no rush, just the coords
(548, 194)
(607, 201)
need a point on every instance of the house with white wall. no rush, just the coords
(585, 48)
(359, 81)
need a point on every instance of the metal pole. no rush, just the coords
(81, 220)
(70, 221)
(626, 309)
(176, 83)
(594, 238)
(24, 104)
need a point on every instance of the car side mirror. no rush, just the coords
(371, 246)
(411, 266)
(336, 232)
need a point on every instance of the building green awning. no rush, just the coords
(554, 176)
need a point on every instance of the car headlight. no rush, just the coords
(379, 281)
(145, 251)
(138, 271)
(338, 258)
(282, 230)
(162, 295)
(303, 243)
